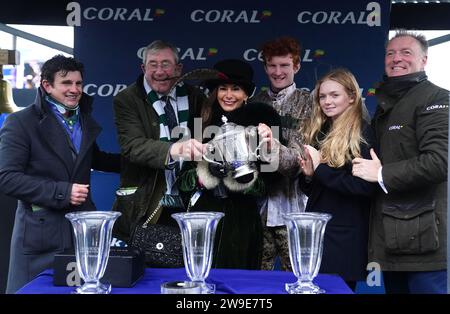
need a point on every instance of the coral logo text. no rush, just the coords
(370, 17)
(103, 90)
(253, 54)
(109, 14)
(229, 16)
(194, 54)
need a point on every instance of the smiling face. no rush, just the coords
(161, 70)
(281, 71)
(333, 99)
(404, 56)
(67, 88)
(230, 96)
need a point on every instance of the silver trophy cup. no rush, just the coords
(232, 148)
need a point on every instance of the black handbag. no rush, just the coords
(161, 244)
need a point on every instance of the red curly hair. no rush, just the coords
(281, 46)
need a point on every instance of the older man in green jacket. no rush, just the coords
(147, 114)
(408, 236)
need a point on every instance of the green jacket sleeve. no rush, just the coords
(429, 165)
(138, 132)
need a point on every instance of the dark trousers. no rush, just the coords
(421, 282)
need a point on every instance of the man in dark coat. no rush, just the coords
(408, 226)
(47, 151)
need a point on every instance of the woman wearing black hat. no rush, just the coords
(238, 242)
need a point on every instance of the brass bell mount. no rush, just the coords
(7, 105)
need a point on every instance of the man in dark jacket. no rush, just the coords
(46, 154)
(149, 115)
(408, 237)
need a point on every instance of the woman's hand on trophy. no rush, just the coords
(265, 134)
(188, 150)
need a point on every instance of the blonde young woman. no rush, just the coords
(335, 135)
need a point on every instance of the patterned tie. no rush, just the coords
(170, 114)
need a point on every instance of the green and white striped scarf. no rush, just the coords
(182, 110)
(158, 104)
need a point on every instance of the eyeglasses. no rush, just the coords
(165, 65)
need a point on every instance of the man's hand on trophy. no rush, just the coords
(188, 150)
(265, 134)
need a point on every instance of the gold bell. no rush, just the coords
(7, 104)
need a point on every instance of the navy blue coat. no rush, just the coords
(347, 198)
(38, 166)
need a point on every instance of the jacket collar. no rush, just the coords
(396, 87)
(49, 126)
(140, 86)
(42, 107)
(282, 94)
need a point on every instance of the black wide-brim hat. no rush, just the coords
(233, 71)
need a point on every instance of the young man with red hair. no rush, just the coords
(281, 58)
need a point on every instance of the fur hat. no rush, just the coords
(233, 71)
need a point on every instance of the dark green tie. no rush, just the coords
(170, 114)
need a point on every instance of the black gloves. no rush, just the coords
(245, 178)
(219, 171)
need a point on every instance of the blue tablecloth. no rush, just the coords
(227, 281)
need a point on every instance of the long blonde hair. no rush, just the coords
(342, 143)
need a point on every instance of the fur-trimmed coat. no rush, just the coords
(239, 235)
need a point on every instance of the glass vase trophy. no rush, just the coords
(92, 231)
(197, 231)
(305, 239)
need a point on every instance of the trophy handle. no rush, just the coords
(258, 148)
(210, 148)
(253, 132)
